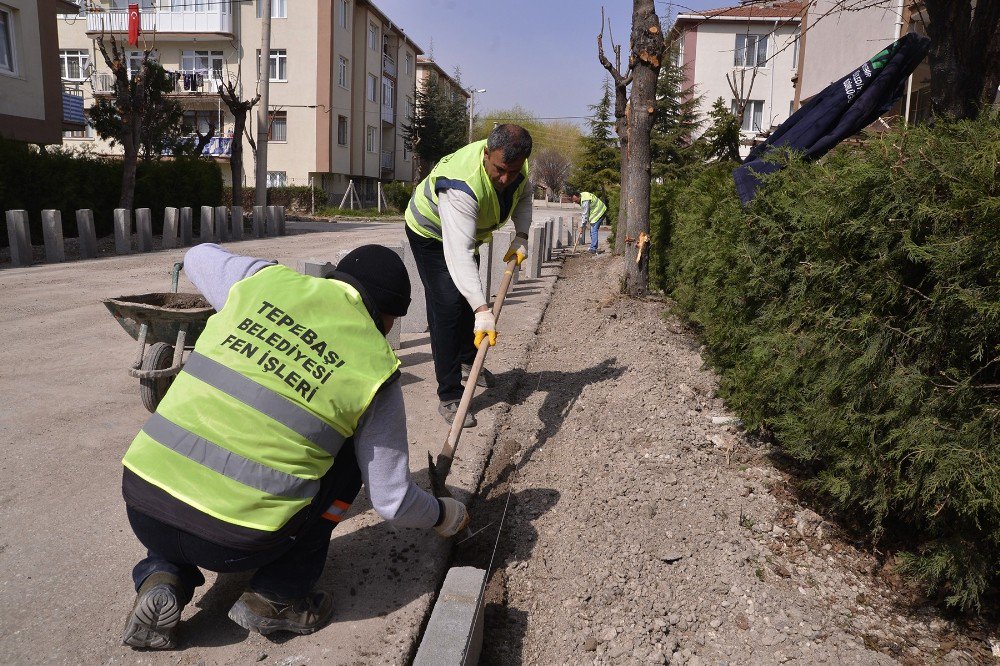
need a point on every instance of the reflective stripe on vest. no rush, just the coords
(277, 382)
(463, 170)
(597, 207)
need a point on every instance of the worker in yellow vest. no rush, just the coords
(455, 209)
(594, 212)
(289, 401)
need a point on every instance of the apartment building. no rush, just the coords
(340, 77)
(34, 107)
(836, 42)
(754, 46)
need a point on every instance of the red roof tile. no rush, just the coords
(756, 10)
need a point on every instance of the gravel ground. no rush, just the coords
(641, 524)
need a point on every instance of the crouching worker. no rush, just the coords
(288, 403)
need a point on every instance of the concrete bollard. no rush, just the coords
(501, 241)
(486, 269)
(259, 223)
(415, 320)
(550, 226)
(271, 228)
(123, 231)
(207, 234)
(281, 220)
(86, 233)
(144, 229)
(236, 223)
(169, 228)
(221, 224)
(19, 235)
(560, 239)
(52, 234)
(187, 224)
(533, 262)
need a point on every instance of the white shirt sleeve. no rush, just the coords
(585, 213)
(214, 270)
(380, 443)
(458, 211)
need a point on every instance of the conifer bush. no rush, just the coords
(854, 309)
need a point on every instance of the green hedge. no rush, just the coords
(35, 181)
(854, 309)
(295, 198)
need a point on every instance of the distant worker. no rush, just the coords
(455, 209)
(288, 403)
(595, 212)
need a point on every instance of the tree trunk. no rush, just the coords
(236, 156)
(964, 56)
(129, 165)
(621, 128)
(646, 55)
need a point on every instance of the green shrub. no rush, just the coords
(397, 194)
(854, 309)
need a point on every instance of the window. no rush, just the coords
(373, 37)
(370, 139)
(202, 62)
(7, 64)
(408, 64)
(342, 130)
(86, 133)
(202, 121)
(795, 51)
(342, 9)
(342, 72)
(73, 63)
(135, 59)
(279, 64)
(388, 93)
(277, 179)
(408, 109)
(752, 115)
(278, 126)
(279, 8)
(751, 51)
(370, 88)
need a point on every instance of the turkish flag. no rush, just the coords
(133, 24)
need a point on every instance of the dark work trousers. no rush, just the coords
(449, 316)
(285, 571)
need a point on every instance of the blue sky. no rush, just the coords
(541, 54)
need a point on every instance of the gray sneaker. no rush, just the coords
(255, 612)
(157, 610)
(485, 379)
(449, 408)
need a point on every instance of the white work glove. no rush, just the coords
(454, 517)
(518, 248)
(486, 327)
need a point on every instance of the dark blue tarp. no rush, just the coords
(842, 109)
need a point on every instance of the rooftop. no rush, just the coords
(752, 10)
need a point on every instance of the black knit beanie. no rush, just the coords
(383, 275)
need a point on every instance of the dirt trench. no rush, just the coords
(639, 523)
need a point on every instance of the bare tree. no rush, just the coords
(231, 93)
(647, 47)
(550, 168)
(621, 80)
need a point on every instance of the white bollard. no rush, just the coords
(86, 233)
(52, 233)
(123, 231)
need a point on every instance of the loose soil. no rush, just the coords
(639, 523)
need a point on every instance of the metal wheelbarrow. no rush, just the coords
(165, 324)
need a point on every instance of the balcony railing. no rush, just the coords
(388, 65)
(162, 22)
(388, 160)
(185, 82)
(388, 115)
(72, 103)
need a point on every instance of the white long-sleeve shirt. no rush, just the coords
(380, 441)
(458, 211)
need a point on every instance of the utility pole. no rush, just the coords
(472, 107)
(263, 119)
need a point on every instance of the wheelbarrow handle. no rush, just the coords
(175, 275)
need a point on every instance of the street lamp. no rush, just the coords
(472, 105)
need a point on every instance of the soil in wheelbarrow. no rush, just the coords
(170, 300)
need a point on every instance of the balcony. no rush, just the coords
(166, 25)
(74, 118)
(388, 65)
(388, 115)
(388, 160)
(185, 82)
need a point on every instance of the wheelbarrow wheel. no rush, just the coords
(160, 355)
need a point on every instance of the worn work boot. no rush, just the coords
(156, 613)
(449, 408)
(256, 612)
(485, 379)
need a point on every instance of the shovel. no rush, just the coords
(439, 471)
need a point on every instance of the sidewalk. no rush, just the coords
(68, 411)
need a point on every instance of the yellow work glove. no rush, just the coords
(517, 249)
(454, 517)
(486, 327)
